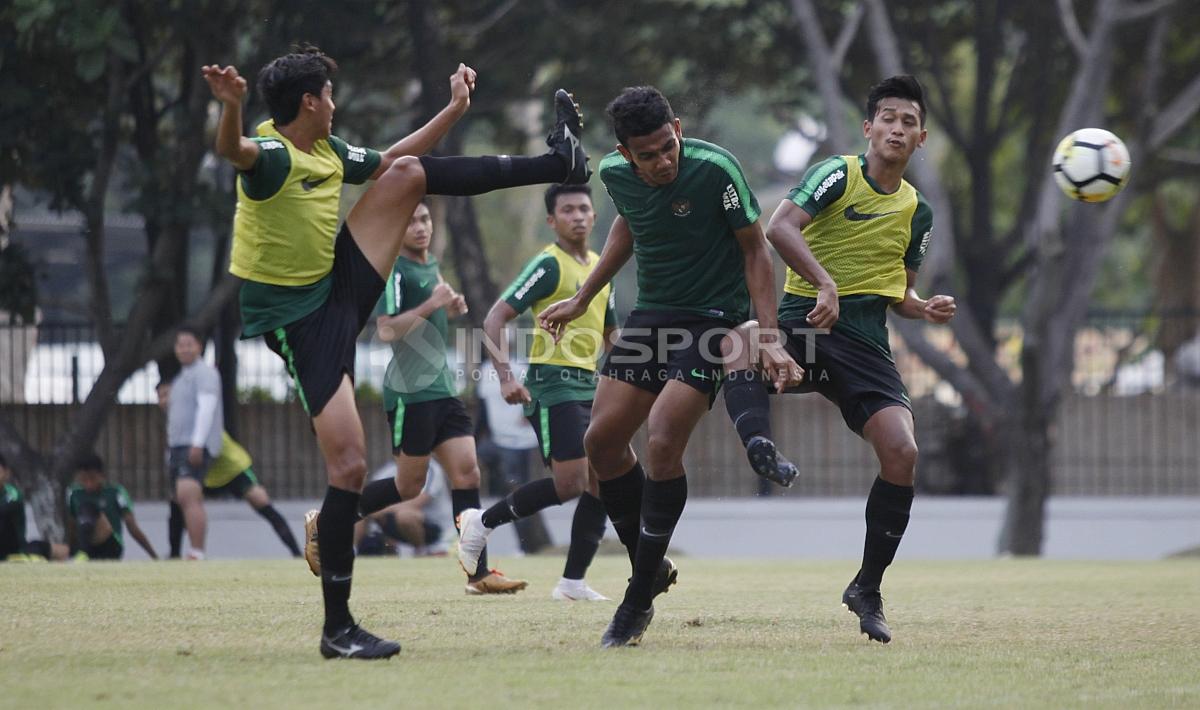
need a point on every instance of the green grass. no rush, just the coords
(1006, 633)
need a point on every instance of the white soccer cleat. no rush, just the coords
(576, 590)
(472, 538)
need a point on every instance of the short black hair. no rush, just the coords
(901, 86)
(639, 111)
(90, 462)
(554, 191)
(285, 81)
(191, 330)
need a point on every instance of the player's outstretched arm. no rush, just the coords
(617, 250)
(136, 531)
(230, 89)
(422, 140)
(938, 309)
(513, 391)
(786, 234)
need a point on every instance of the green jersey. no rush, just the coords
(12, 521)
(865, 238)
(418, 371)
(112, 500)
(688, 258)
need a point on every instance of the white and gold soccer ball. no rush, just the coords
(1091, 165)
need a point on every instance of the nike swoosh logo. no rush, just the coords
(308, 185)
(656, 536)
(855, 216)
(346, 650)
(424, 283)
(340, 578)
(891, 534)
(698, 374)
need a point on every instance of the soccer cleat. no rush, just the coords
(867, 604)
(312, 553)
(627, 627)
(575, 590)
(472, 539)
(356, 642)
(564, 138)
(496, 583)
(667, 575)
(767, 462)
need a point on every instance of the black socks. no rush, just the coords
(662, 505)
(622, 497)
(587, 530)
(280, 526)
(335, 540)
(175, 530)
(378, 495)
(888, 508)
(475, 176)
(521, 503)
(746, 401)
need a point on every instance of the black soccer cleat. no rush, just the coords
(627, 627)
(867, 604)
(356, 642)
(667, 575)
(564, 138)
(767, 462)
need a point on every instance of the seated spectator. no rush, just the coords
(97, 513)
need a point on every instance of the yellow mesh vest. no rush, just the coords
(287, 239)
(232, 460)
(583, 339)
(861, 239)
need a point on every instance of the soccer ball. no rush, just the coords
(1091, 165)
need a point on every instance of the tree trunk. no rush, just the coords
(1029, 475)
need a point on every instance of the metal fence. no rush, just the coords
(1127, 428)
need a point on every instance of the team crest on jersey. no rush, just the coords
(681, 207)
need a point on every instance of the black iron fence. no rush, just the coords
(1128, 427)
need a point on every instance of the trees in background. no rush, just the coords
(105, 111)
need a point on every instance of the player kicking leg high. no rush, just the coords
(310, 287)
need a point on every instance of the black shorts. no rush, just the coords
(847, 371)
(560, 428)
(110, 549)
(656, 347)
(319, 348)
(237, 487)
(419, 428)
(179, 466)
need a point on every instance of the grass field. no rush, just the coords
(1007, 633)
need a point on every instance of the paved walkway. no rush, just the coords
(818, 528)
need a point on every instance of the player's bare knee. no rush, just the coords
(663, 453)
(899, 464)
(404, 175)
(570, 487)
(736, 346)
(409, 488)
(347, 468)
